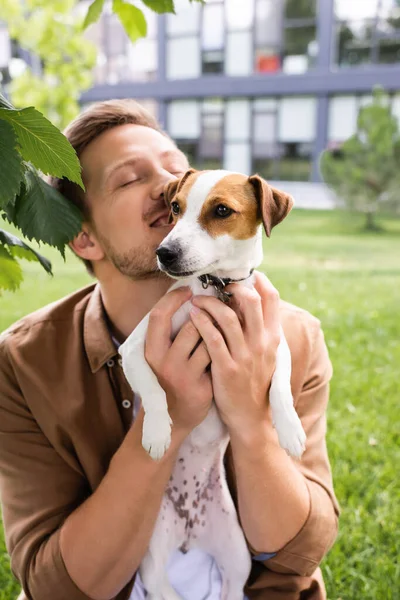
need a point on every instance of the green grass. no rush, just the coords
(351, 281)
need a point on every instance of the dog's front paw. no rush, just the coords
(291, 434)
(156, 437)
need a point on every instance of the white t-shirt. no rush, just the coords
(194, 576)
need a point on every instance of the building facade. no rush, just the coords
(254, 85)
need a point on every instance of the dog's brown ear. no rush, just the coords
(173, 187)
(274, 205)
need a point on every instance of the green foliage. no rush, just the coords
(365, 171)
(63, 220)
(131, 18)
(18, 248)
(320, 261)
(41, 143)
(11, 164)
(160, 6)
(37, 209)
(52, 31)
(93, 13)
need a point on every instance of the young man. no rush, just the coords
(80, 496)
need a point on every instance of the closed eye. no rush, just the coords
(128, 183)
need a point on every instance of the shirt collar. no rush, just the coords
(98, 341)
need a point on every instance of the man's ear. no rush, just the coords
(173, 187)
(274, 205)
(86, 245)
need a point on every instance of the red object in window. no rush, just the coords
(268, 64)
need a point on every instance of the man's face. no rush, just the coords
(125, 170)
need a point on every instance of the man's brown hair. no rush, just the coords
(86, 127)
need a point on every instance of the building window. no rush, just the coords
(300, 36)
(388, 32)
(265, 150)
(237, 155)
(268, 34)
(342, 119)
(212, 131)
(212, 39)
(183, 41)
(367, 32)
(296, 134)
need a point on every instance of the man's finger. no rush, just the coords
(213, 339)
(184, 343)
(158, 338)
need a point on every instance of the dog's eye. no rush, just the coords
(175, 208)
(223, 211)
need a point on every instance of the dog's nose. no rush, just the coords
(166, 255)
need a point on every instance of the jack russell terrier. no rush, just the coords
(216, 240)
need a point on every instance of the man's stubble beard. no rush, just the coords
(138, 264)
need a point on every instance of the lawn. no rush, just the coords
(351, 281)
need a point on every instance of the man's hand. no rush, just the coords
(242, 350)
(180, 366)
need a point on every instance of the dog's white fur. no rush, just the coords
(197, 509)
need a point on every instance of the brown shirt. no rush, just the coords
(65, 407)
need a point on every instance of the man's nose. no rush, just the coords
(158, 189)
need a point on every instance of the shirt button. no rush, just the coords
(120, 362)
(126, 403)
(110, 363)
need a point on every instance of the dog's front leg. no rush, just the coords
(156, 436)
(286, 421)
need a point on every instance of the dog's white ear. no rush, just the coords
(173, 187)
(274, 205)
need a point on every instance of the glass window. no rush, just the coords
(117, 40)
(142, 60)
(389, 50)
(186, 19)
(213, 61)
(268, 23)
(238, 157)
(297, 119)
(300, 9)
(190, 149)
(239, 53)
(342, 122)
(239, 14)
(183, 58)
(356, 9)
(264, 135)
(299, 49)
(295, 162)
(238, 118)
(355, 40)
(213, 27)
(211, 141)
(184, 119)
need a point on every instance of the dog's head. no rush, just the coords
(218, 217)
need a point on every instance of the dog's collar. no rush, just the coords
(219, 284)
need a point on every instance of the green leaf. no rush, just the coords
(42, 144)
(10, 271)
(93, 13)
(11, 170)
(43, 214)
(4, 103)
(160, 6)
(18, 248)
(132, 19)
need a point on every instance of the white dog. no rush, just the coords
(217, 239)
